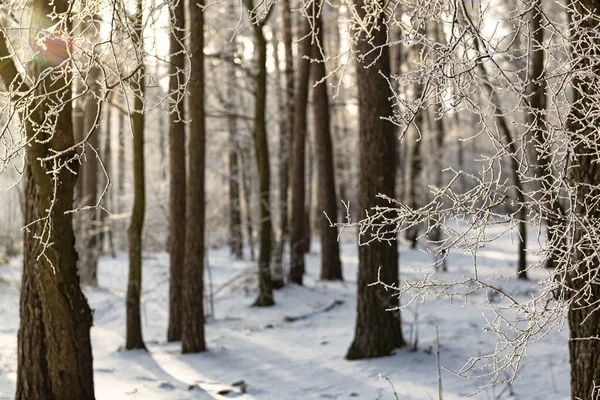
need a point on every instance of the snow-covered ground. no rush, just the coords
(291, 360)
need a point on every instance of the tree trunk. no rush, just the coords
(235, 217)
(502, 124)
(134, 338)
(108, 199)
(541, 152)
(247, 186)
(192, 337)
(297, 177)
(582, 280)
(277, 272)
(88, 266)
(32, 370)
(177, 183)
(414, 163)
(331, 266)
(265, 287)
(378, 331)
(65, 314)
(285, 140)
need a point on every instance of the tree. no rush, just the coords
(235, 212)
(192, 335)
(285, 137)
(177, 188)
(331, 266)
(261, 148)
(540, 151)
(298, 225)
(50, 267)
(91, 228)
(582, 124)
(134, 338)
(378, 331)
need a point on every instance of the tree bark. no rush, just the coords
(277, 272)
(65, 314)
(177, 174)
(298, 160)
(192, 338)
(378, 331)
(285, 139)
(265, 285)
(90, 252)
(235, 216)
(582, 281)
(32, 370)
(331, 266)
(134, 338)
(541, 152)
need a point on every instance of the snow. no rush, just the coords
(303, 359)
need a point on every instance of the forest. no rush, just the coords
(299, 199)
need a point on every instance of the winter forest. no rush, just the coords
(299, 199)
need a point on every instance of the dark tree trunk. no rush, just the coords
(247, 185)
(32, 371)
(331, 266)
(88, 266)
(541, 152)
(378, 331)
(297, 177)
(414, 163)
(192, 338)
(177, 183)
(265, 286)
(65, 314)
(582, 280)
(134, 338)
(285, 140)
(235, 216)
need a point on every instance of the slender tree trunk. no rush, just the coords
(378, 331)
(502, 125)
(265, 289)
(192, 338)
(235, 216)
(277, 272)
(247, 186)
(65, 314)
(88, 266)
(541, 152)
(108, 199)
(134, 338)
(582, 280)
(285, 140)
(414, 163)
(297, 177)
(177, 175)
(331, 266)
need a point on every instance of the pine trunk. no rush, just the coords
(134, 338)
(235, 216)
(177, 175)
(265, 285)
(285, 140)
(378, 331)
(298, 220)
(582, 280)
(32, 370)
(192, 335)
(331, 266)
